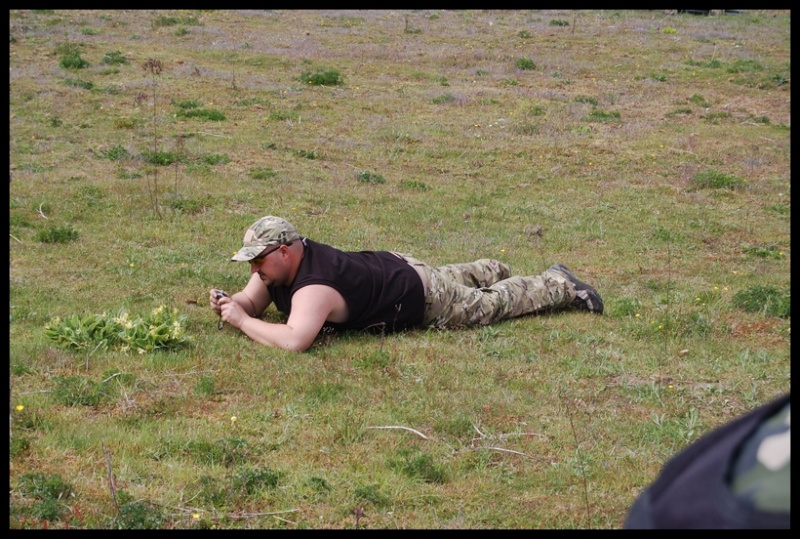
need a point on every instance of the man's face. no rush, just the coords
(266, 269)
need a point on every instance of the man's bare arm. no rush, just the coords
(311, 307)
(253, 298)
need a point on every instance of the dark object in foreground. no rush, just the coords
(734, 477)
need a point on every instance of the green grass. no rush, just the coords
(654, 164)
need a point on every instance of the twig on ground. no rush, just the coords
(111, 482)
(242, 516)
(213, 134)
(418, 433)
(514, 434)
(502, 450)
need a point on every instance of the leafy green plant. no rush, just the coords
(79, 83)
(205, 386)
(114, 58)
(126, 123)
(767, 299)
(714, 117)
(211, 115)
(769, 251)
(187, 104)
(57, 234)
(597, 115)
(230, 451)
(307, 154)
(216, 159)
(420, 465)
(444, 98)
(373, 494)
(18, 446)
(322, 77)
(370, 177)
(262, 173)
(699, 100)
(188, 205)
(73, 60)
(627, 306)
(171, 20)
(137, 514)
(161, 158)
(525, 64)
(559, 22)
(162, 329)
(676, 112)
(745, 65)
(50, 493)
(586, 99)
(283, 115)
(78, 391)
(714, 179)
(414, 185)
(248, 481)
(115, 153)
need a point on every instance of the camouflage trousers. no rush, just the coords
(482, 292)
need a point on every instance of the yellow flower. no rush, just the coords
(716, 288)
(196, 516)
(660, 326)
(233, 419)
(638, 315)
(130, 265)
(20, 407)
(671, 387)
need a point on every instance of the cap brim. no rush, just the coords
(247, 253)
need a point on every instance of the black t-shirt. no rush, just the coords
(383, 293)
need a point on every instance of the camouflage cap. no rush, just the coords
(263, 233)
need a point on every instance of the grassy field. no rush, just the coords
(648, 151)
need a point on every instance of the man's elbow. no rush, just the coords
(297, 344)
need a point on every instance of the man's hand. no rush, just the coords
(231, 312)
(214, 296)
